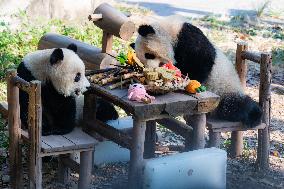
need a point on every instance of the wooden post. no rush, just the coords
(150, 140)
(107, 42)
(14, 126)
(63, 171)
(214, 139)
(241, 67)
(236, 144)
(85, 169)
(34, 127)
(197, 139)
(136, 154)
(265, 104)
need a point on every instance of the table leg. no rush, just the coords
(196, 139)
(136, 154)
(150, 140)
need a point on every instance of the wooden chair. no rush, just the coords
(215, 127)
(41, 146)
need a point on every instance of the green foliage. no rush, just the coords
(278, 55)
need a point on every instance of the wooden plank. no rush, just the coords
(57, 143)
(241, 66)
(14, 126)
(224, 126)
(119, 137)
(265, 104)
(80, 139)
(171, 103)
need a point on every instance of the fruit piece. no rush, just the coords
(192, 86)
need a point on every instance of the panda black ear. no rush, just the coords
(56, 56)
(132, 45)
(145, 30)
(72, 47)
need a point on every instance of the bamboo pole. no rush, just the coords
(14, 126)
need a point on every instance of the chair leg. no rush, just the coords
(85, 169)
(236, 144)
(63, 171)
(214, 139)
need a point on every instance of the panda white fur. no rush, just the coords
(173, 39)
(62, 74)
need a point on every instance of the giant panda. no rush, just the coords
(62, 74)
(174, 39)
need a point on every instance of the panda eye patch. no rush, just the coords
(77, 77)
(149, 56)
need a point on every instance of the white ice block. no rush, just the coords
(199, 169)
(110, 152)
(122, 123)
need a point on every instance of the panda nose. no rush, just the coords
(161, 64)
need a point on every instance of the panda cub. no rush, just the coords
(189, 49)
(62, 74)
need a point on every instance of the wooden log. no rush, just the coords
(119, 137)
(14, 126)
(34, 128)
(214, 139)
(252, 56)
(85, 169)
(91, 55)
(114, 22)
(63, 170)
(21, 83)
(176, 126)
(136, 154)
(197, 138)
(150, 140)
(265, 104)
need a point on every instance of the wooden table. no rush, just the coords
(164, 108)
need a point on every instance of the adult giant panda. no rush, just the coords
(62, 74)
(174, 39)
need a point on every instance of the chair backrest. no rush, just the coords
(33, 89)
(265, 61)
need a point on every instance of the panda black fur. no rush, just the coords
(62, 74)
(190, 50)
